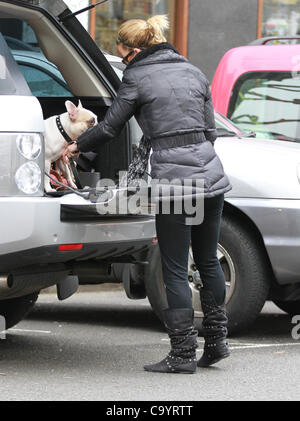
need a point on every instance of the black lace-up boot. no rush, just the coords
(183, 339)
(214, 330)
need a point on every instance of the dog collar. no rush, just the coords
(62, 130)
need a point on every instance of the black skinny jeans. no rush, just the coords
(175, 238)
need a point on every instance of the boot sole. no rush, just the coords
(170, 372)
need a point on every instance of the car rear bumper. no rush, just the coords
(278, 221)
(32, 230)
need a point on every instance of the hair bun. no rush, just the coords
(158, 23)
(141, 33)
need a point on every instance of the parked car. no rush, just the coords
(259, 240)
(59, 239)
(259, 243)
(257, 87)
(43, 77)
(277, 39)
(16, 44)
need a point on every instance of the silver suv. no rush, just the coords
(62, 239)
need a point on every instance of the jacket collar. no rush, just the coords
(151, 50)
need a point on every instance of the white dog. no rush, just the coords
(59, 132)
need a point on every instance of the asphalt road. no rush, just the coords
(92, 347)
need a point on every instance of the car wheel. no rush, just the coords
(16, 309)
(154, 285)
(290, 307)
(246, 273)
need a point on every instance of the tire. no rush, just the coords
(16, 309)
(247, 274)
(290, 307)
(154, 285)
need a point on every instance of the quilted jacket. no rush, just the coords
(170, 98)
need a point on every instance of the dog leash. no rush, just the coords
(70, 141)
(75, 173)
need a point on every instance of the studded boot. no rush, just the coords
(214, 326)
(183, 338)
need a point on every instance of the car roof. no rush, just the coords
(279, 39)
(251, 58)
(31, 55)
(260, 57)
(40, 56)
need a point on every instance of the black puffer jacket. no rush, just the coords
(171, 101)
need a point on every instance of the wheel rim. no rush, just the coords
(194, 278)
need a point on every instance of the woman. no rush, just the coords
(171, 101)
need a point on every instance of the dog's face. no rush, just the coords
(80, 118)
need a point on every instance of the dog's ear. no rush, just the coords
(79, 105)
(72, 110)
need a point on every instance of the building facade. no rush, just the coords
(104, 20)
(215, 26)
(202, 30)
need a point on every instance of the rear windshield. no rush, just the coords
(12, 81)
(267, 103)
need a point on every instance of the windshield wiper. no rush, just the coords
(70, 15)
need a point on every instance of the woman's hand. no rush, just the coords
(70, 152)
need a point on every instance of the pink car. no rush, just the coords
(258, 88)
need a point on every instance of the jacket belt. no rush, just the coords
(175, 141)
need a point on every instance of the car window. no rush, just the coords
(267, 103)
(42, 76)
(11, 79)
(18, 34)
(42, 83)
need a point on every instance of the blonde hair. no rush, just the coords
(137, 33)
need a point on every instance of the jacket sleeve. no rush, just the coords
(210, 124)
(121, 110)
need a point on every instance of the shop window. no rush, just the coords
(279, 18)
(106, 19)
